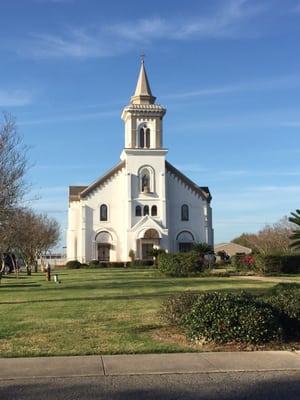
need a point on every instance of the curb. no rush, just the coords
(148, 364)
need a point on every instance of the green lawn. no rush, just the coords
(103, 311)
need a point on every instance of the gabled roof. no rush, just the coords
(102, 179)
(202, 191)
(148, 222)
(78, 192)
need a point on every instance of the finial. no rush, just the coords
(143, 55)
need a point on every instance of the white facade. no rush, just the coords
(141, 203)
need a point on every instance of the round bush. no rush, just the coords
(94, 264)
(74, 264)
(227, 317)
(177, 306)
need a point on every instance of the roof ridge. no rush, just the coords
(103, 178)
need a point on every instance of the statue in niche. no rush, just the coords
(145, 183)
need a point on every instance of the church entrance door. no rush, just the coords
(103, 252)
(146, 251)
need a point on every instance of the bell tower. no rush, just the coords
(142, 117)
(145, 165)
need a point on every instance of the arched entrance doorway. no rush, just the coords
(146, 242)
(104, 243)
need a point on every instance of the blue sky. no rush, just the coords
(227, 71)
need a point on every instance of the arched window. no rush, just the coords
(148, 138)
(142, 138)
(154, 211)
(103, 212)
(151, 234)
(138, 211)
(185, 241)
(146, 210)
(184, 212)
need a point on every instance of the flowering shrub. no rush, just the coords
(243, 261)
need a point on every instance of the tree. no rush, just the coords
(34, 235)
(23, 233)
(272, 239)
(13, 165)
(246, 239)
(295, 236)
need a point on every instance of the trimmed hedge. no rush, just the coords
(285, 264)
(73, 264)
(285, 298)
(118, 264)
(177, 306)
(243, 317)
(227, 317)
(180, 264)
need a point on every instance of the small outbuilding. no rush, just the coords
(232, 249)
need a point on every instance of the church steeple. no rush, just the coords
(143, 117)
(143, 94)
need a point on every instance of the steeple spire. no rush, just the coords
(142, 94)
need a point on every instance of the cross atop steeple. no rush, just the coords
(143, 94)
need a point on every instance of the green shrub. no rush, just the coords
(94, 264)
(285, 298)
(180, 264)
(227, 317)
(278, 264)
(73, 264)
(144, 263)
(177, 306)
(118, 264)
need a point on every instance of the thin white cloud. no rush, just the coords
(191, 168)
(15, 98)
(296, 9)
(69, 118)
(51, 190)
(286, 189)
(227, 21)
(291, 124)
(264, 84)
(261, 119)
(74, 43)
(65, 167)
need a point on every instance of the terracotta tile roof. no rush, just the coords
(203, 191)
(74, 192)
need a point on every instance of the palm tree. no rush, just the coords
(203, 248)
(295, 237)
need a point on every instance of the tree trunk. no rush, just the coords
(2, 267)
(35, 266)
(16, 270)
(28, 268)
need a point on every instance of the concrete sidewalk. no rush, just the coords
(148, 364)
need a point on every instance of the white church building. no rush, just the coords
(143, 202)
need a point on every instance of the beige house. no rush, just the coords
(232, 248)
